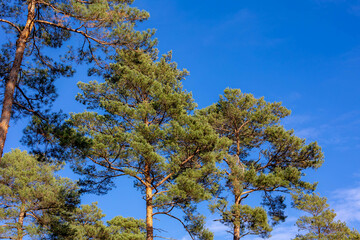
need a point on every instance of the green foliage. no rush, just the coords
(97, 28)
(121, 228)
(31, 196)
(263, 157)
(251, 219)
(321, 223)
(86, 223)
(143, 128)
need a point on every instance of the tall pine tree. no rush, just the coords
(263, 158)
(141, 126)
(320, 222)
(31, 196)
(86, 222)
(34, 26)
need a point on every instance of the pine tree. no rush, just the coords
(143, 128)
(86, 222)
(34, 26)
(30, 195)
(321, 223)
(263, 158)
(121, 228)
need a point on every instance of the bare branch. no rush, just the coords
(165, 212)
(11, 24)
(31, 110)
(184, 225)
(92, 54)
(77, 31)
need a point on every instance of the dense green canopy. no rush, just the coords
(143, 128)
(31, 195)
(29, 67)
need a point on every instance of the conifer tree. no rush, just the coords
(141, 126)
(86, 222)
(37, 204)
(321, 223)
(263, 158)
(30, 196)
(34, 26)
(121, 228)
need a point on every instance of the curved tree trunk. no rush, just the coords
(13, 76)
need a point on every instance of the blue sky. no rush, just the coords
(305, 54)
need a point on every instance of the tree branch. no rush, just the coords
(171, 174)
(31, 110)
(11, 24)
(165, 212)
(77, 31)
(184, 225)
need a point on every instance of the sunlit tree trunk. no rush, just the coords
(236, 232)
(149, 205)
(20, 232)
(237, 223)
(13, 76)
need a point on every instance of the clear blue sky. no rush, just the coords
(304, 53)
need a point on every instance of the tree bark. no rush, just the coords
(237, 195)
(237, 225)
(149, 214)
(236, 232)
(13, 75)
(20, 233)
(149, 204)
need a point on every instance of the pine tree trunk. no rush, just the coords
(13, 76)
(237, 225)
(20, 233)
(149, 214)
(237, 194)
(236, 232)
(149, 204)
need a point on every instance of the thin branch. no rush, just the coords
(242, 125)
(32, 214)
(161, 192)
(250, 191)
(171, 174)
(31, 110)
(41, 58)
(184, 225)
(92, 54)
(117, 169)
(101, 164)
(62, 12)
(77, 31)
(11, 24)
(164, 204)
(165, 212)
